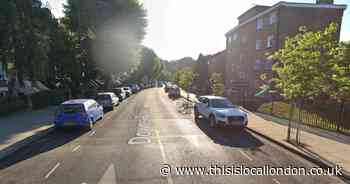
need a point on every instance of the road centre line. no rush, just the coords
(246, 155)
(76, 148)
(169, 178)
(52, 170)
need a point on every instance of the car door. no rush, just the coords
(206, 107)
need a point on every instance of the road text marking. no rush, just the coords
(52, 170)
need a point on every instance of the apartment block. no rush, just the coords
(262, 30)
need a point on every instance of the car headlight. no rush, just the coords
(220, 115)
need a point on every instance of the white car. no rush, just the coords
(128, 91)
(108, 100)
(220, 112)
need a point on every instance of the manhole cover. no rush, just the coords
(139, 140)
(143, 134)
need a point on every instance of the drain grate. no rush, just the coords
(139, 140)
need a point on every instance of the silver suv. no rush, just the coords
(220, 112)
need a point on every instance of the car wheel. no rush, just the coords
(91, 125)
(212, 121)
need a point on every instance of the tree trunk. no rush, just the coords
(291, 112)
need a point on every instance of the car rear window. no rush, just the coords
(103, 97)
(72, 108)
(126, 88)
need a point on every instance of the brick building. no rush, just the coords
(217, 64)
(262, 30)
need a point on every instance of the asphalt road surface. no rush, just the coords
(133, 142)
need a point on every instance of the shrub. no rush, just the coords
(11, 104)
(47, 98)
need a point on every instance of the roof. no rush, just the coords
(105, 93)
(214, 97)
(76, 101)
(287, 4)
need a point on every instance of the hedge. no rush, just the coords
(47, 98)
(11, 104)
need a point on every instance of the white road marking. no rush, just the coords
(52, 170)
(169, 178)
(92, 133)
(76, 148)
(276, 181)
(109, 176)
(246, 155)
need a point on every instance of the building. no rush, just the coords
(201, 81)
(217, 64)
(262, 30)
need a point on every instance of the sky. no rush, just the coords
(181, 28)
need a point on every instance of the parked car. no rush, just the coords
(120, 93)
(220, 112)
(174, 92)
(128, 91)
(79, 112)
(134, 88)
(108, 100)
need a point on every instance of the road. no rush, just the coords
(132, 143)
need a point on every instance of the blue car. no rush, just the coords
(80, 112)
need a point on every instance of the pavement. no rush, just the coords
(146, 140)
(22, 128)
(327, 149)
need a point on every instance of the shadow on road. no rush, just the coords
(53, 140)
(232, 137)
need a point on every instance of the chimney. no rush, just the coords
(324, 1)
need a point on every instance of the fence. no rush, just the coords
(329, 116)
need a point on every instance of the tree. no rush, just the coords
(118, 26)
(303, 65)
(217, 84)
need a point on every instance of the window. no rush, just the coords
(234, 37)
(242, 75)
(244, 39)
(259, 24)
(268, 65)
(258, 44)
(258, 64)
(273, 18)
(269, 41)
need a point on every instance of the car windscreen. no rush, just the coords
(118, 91)
(126, 88)
(221, 103)
(103, 97)
(72, 108)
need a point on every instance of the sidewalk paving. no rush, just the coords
(316, 148)
(22, 128)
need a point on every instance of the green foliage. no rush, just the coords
(11, 105)
(217, 84)
(118, 28)
(184, 78)
(303, 64)
(150, 66)
(47, 98)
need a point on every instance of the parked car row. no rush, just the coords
(86, 112)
